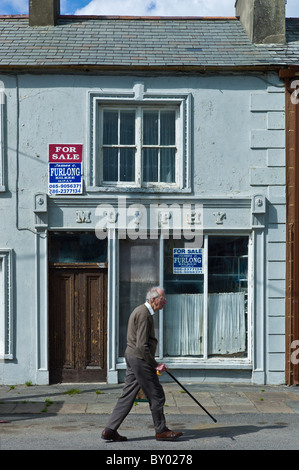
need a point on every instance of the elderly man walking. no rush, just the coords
(142, 370)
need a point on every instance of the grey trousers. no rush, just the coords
(140, 374)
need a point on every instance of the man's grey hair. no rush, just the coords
(153, 293)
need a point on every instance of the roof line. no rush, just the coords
(145, 68)
(120, 17)
(123, 17)
(13, 16)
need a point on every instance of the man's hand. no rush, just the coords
(161, 367)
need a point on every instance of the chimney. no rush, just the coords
(43, 12)
(263, 20)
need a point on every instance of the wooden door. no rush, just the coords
(77, 324)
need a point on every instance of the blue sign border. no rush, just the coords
(188, 261)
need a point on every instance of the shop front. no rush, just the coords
(96, 278)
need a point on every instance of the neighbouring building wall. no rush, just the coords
(292, 233)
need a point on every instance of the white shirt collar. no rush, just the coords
(149, 308)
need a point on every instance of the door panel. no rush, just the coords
(77, 324)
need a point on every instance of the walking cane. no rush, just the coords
(185, 390)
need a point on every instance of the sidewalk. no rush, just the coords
(100, 398)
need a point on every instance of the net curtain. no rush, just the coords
(183, 324)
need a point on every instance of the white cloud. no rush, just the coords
(159, 8)
(143, 7)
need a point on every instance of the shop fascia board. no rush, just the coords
(219, 214)
(148, 199)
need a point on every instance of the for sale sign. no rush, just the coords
(187, 261)
(65, 168)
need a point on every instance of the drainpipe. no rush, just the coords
(292, 234)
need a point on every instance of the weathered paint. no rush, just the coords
(236, 139)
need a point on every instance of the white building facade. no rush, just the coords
(106, 176)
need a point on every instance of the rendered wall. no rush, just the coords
(237, 152)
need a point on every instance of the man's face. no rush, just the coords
(160, 301)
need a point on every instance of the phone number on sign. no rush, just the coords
(65, 188)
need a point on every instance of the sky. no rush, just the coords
(141, 7)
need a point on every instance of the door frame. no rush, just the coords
(97, 374)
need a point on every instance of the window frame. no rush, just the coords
(6, 307)
(133, 99)
(139, 146)
(208, 360)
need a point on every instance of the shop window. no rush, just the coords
(138, 272)
(184, 312)
(206, 314)
(228, 296)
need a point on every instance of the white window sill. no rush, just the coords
(130, 189)
(233, 363)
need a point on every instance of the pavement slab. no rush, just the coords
(100, 398)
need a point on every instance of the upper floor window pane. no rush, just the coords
(150, 127)
(127, 164)
(110, 128)
(167, 124)
(127, 128)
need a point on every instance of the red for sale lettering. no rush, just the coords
(65, 153)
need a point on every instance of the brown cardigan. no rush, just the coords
(141, 341)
